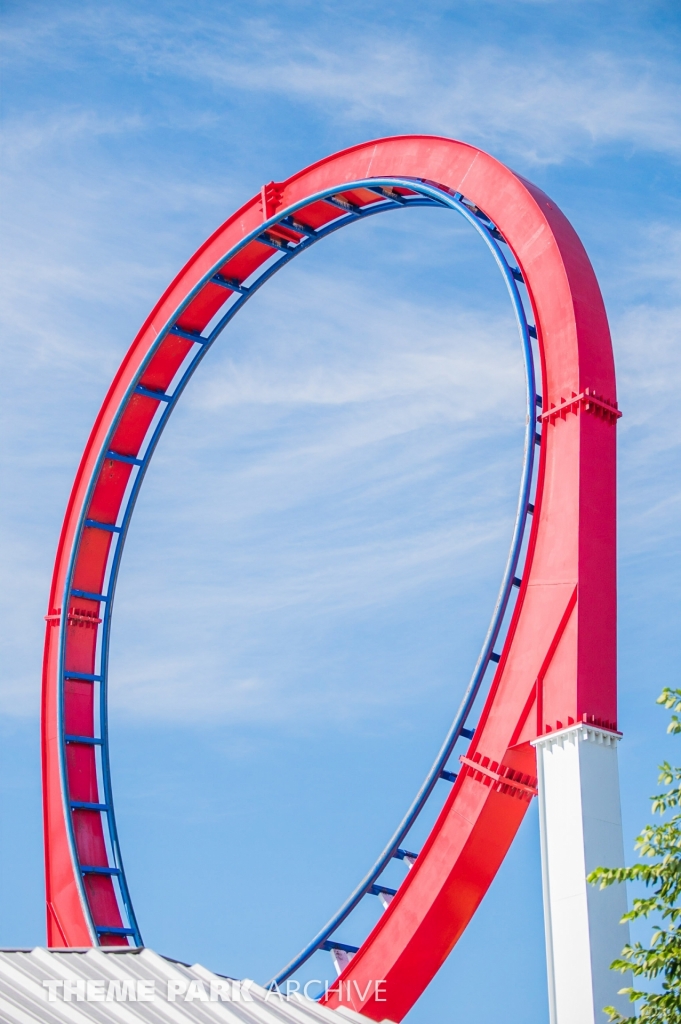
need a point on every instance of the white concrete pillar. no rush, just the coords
(581, 829)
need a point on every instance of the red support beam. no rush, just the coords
(558, 664)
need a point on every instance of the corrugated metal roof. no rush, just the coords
(132, 986)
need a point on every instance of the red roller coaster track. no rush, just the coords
(558, 662)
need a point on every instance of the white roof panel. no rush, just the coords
(130, 986)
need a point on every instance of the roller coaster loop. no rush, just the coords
(554, 620)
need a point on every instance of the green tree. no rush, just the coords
(661, 845)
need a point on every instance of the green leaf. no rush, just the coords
(660, 872)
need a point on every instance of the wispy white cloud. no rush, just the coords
(335, 477)
(647, 330)
(318, 586)
(86, 240)
(401, 391)
(296, 606)
(25, 136)
(560, 104)
(647, 340)
(347, 448)
(411, 347)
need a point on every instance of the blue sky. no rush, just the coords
(319, 541)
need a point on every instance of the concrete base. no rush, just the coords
(581, 829)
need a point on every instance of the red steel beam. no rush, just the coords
(558, 664)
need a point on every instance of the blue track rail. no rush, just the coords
(423, 194)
